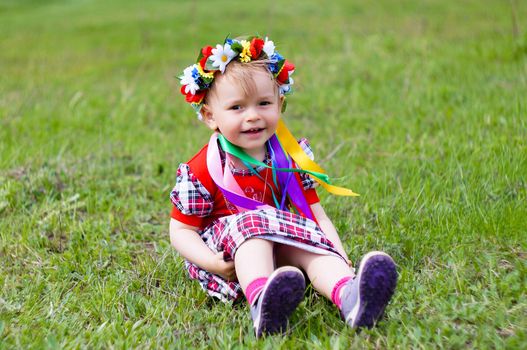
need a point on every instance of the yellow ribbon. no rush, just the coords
(292, 147)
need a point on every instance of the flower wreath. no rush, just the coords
(197, 78)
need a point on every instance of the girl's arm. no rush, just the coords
(329, 230)
(189, 245)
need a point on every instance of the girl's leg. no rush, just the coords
(253, 260)
(324, 271)
(272, 294)
(362, 300)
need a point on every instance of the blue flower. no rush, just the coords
(195, 74)
(276, 57)
(273, 68)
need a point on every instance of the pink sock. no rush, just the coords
(335, 293)
(254, 288)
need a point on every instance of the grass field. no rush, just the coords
(420, 106)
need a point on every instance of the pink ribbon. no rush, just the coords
(225, 180)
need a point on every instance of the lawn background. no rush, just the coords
(418, 105)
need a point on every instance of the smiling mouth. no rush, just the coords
(253, 131)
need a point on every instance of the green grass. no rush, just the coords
(418, 105)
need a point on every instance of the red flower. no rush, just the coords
(197, 98)
(206, 52)
(193, 98)
(283, 76)
(257, 45)
(183, 89)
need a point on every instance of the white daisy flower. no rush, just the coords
(189, 79)
(268, 47)
(286, 88)
(221, 56)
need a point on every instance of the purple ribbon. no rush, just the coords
(292, 188)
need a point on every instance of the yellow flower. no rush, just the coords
(245, 56)
(203, 73)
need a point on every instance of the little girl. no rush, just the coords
(246, 216)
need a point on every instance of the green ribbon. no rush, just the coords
(238, 152)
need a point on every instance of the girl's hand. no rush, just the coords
(223, 268)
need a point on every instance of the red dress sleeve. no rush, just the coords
(192, 201)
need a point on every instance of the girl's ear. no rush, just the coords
(208, 117)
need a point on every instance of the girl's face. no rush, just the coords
(246, 120)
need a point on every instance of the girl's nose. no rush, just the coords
(251, 114)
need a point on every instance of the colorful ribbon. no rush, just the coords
(292, 188)
(230, 188)
(281, 146)
(292, 148)
(239, 153)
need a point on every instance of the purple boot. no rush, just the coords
(364, 298)
(280, 296)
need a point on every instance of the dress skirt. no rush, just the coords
(228, 233)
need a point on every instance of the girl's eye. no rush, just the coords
(235, 107)
(265, 103)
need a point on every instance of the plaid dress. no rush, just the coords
(195, 199)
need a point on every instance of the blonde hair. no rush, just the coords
(242, 74)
